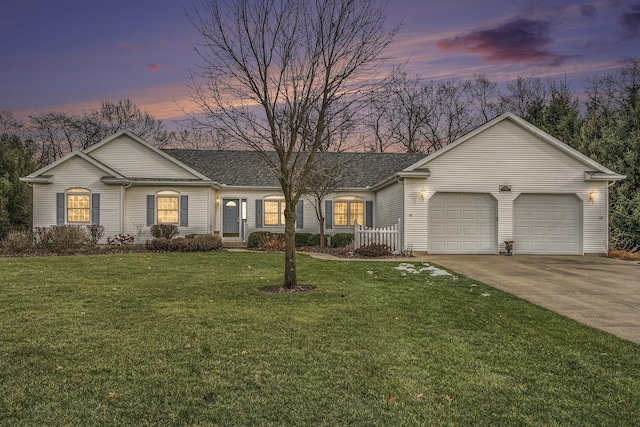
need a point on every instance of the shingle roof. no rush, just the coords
(246, 168)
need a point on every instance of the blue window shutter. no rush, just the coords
(59, 208)
(151, 209)
(259, 213)
(300, 214)
(368, 214)
(328, 214)
(184, 211)
(95, 208)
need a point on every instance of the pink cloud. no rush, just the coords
(153, 67)
(520, 40)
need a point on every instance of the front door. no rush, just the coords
(231, 218)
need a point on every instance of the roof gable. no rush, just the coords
(589, 163)
(42, 174)
(135, 157)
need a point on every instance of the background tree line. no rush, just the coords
(407, 114)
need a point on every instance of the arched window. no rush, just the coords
(78, 205)
(168, 207)
(346, 210)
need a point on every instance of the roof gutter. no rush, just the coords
(602, 176)
(400, 175)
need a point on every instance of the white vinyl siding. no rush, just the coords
(389, 206)
(130, 158)
(506, 154)
(462, 223)
(547, 224)
(135, 215)
(74, 173)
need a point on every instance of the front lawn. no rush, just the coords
(188, 339)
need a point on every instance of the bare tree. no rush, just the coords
(486, 99)
(202, 139)
(324, 179)
(274, 73)
(56, 134)
(527, 98)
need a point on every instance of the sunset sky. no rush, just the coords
(68, 55)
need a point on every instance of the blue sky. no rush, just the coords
(68, 55)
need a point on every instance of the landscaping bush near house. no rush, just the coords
(272, 242)
(167, 231)
(254, 239)
(61, 238)
(374, 250)
(302, 239)
(314, 240)
(96, 232)
(341, 239)
(198, 243)
(17, 242)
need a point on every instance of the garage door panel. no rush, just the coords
(547, 224)
(467, 225)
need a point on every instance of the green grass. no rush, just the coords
(187, 339)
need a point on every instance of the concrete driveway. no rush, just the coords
(600, 292)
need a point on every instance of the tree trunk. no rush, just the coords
(290, 274)
(320, 215)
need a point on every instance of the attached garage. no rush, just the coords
(462, 223)
(547, 224)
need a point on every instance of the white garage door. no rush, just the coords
(547, 224)
(462, 223)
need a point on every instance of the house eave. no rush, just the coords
(601, 176)
(398, 176)
(159, 181)
(40, 179)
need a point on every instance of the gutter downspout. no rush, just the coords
(123, 189)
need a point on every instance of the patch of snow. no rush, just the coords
(485, 295)
(406, 267)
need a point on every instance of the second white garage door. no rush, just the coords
(462, 223)
(547, 224)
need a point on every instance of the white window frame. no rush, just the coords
(77, 191)
(349, 200)
(167, 194)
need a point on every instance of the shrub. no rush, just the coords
(374, 250)
(254, 239)
(62, 238)
(341, 239)
(302, 239)
(206, 243)
(17, 242)
(314, 240)
(199, 243)
(96, 232)
(272, 242)
(167, 231)
(159, 244)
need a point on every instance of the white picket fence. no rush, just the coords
(390, 236)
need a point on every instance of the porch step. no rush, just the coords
(234, 245)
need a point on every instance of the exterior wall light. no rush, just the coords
(592, 196)
(423, 194)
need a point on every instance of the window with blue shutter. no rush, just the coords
(95, 208)
(184, 211)
(151, 209)
(300, 214)
(60, 208)
(328, 214)
(259, 213)
(368, 214)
